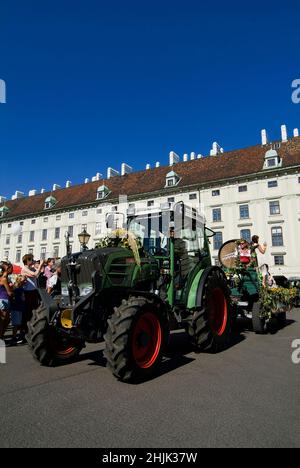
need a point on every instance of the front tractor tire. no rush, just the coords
(135, 339)
(210, 328)
(46, 345)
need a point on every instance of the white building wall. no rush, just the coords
(260, 222)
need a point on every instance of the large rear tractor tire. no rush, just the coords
(46, 345)
(211, 326)
(258, 322)
(135, 339)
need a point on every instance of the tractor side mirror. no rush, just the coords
(209, 232)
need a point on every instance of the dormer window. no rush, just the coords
(50, 202)
(271, 162)
(102, 192)
(172, 179)
(272, 159)
(3, 211)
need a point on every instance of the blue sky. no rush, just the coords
(96, 83)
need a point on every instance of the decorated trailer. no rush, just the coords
(266, 307)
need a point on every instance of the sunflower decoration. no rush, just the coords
(277, 299)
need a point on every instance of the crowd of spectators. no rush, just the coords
(19, 293)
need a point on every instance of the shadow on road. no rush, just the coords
(246, 325)
(289, 322)
(176, 355)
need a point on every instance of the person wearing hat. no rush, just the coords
(54, 283)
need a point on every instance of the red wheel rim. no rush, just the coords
(218, 312)
(65, 352)
(59, 348)
(146, 340)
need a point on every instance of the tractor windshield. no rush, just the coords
(153, 230)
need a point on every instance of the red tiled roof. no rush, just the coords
(211, 169)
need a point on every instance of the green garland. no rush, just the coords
(276, 300)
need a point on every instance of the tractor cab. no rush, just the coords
(175, 235)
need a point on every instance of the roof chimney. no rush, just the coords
(193, 155)
(112, 173)
(283, 133)
(126, 169)
(148, 167)
(2, 199)
(43, 190)
(86, 180)
(216, 149)
(32, 193)
(174, 158)
(157, 164)
(68, 184)
(296, 132)
(56, 187)
(17, 195)
(185, 157)
(98, 176)
(199, 156)
(264, 137)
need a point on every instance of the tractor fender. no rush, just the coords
(150, 296)
(49, 303)
(202, 282)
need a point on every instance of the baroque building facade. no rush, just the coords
(250, 191)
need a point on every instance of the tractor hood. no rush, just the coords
(88, 267)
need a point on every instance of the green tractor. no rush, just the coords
(149, 277)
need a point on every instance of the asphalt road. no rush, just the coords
(247, 396)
